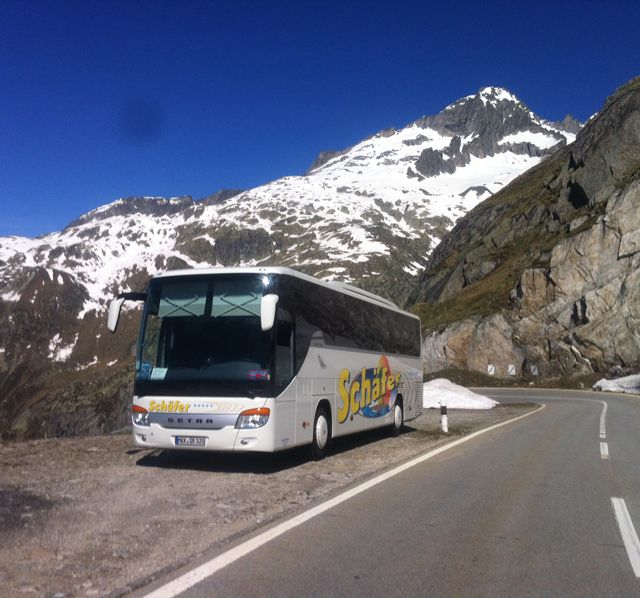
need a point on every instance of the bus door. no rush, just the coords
(284, 369)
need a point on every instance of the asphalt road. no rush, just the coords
(523, 510)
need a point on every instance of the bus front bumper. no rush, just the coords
(225, 439)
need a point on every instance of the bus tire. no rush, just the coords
(398, 418)
(321, 433)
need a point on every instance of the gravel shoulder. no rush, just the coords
(96, 516)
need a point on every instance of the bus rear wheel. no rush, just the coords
(398, 419)
(321, 434)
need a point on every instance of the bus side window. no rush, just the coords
(150, 355)
(284, 354)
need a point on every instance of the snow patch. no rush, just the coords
(413, 268)
(84, 366)
(456, 397)
(628, 384)
(58, 351)
(538, 139)
(10, 296)
(496, 94)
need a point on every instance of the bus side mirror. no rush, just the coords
(114, 314)
(268, 311)
(116, 305)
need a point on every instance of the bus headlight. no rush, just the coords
(253, 418)
(139, 416)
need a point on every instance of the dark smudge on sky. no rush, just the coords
(140, 122)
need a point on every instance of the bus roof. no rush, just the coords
(333, 285)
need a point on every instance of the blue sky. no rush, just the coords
(100, 100)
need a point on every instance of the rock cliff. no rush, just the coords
(544, 275)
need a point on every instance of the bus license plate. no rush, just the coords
(191, 441)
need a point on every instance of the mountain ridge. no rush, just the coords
(366, 215)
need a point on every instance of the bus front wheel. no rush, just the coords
(321, 434)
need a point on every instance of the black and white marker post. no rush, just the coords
(443, 416)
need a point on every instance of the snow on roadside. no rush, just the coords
(630, 384)
(456, 397)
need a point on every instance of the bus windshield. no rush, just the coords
(201, 336)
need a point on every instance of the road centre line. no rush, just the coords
(603, 415)
(604, 450)
(628, 533)
(195, 576)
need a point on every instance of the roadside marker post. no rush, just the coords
(443, 416)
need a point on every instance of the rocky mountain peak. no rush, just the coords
(474, 113)
(490, 122)
(496, 94)
(569, 124)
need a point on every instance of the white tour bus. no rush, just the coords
(263, 359)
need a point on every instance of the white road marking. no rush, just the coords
(603, 415)
(195, 576)
(628, 533)
(604, 450)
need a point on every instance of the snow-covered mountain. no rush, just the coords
(370, 214)
(400, 187)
